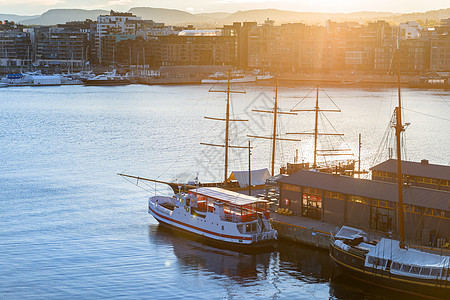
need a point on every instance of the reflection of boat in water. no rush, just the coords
(217, 215)
(198, 256)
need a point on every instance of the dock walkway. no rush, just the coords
(304, 230)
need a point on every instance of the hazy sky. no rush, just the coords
(28, 7)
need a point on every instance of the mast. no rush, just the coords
(316, 133)
(274, 134)
(398, 130)
(249, 170)
(359, 156)
(315, 127)
(227, 120)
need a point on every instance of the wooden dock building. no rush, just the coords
(368, 204)
(421, 174)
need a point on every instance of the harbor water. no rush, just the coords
(72, 228)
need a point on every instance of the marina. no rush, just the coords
(65, 133)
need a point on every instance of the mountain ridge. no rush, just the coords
(180, 17)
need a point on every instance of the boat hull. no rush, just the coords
(107, 82)
(353, 265)
(239, 243)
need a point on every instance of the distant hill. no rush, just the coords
(15, 18)
(61, 16)
(422, 18)
(259, 15)
(214, 16)
(210, 20)
(169, 16)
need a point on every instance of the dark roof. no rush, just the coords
(423, 169)
(380, 190)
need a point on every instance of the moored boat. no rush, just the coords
(107, 79)
(386, 264)
(215, 214)
(389, 262)
(235, 77)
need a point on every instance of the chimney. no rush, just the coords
(424, 161)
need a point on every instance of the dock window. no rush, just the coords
(311, 206)
(381, 219)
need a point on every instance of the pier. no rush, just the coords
(303, 230)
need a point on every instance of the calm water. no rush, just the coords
(70, 227)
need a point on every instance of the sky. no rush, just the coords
(33, 7)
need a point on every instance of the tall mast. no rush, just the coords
(249, 169)
(274, 137)
(227, 120)
(315, 127)
(398, 130)
(359, 156)
(275, 113)
(316, 132)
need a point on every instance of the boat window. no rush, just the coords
(372, 260)
(405, 268)
(415, 270)
(395, 266)
(444, 273)
(435, 272)
(425, 271)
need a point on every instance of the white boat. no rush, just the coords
(3, 85)
(264, 77)
(107, 79)
(219, 215)
(17, 79)
(31, 79)
(235, 77)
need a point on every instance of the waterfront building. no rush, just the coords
(15, 46)
(63, 46)
(110, 26)
(440, 47)
(241, 32)
(421, 174)
(368, 204)
(410, 30)
(195, 48)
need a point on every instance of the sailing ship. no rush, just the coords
(390, 262)
(215, 213)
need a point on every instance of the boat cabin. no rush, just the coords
(235, 207)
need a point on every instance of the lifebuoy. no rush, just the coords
(186, 208)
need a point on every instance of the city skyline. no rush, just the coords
(35, 7)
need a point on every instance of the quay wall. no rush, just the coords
(308, 236)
